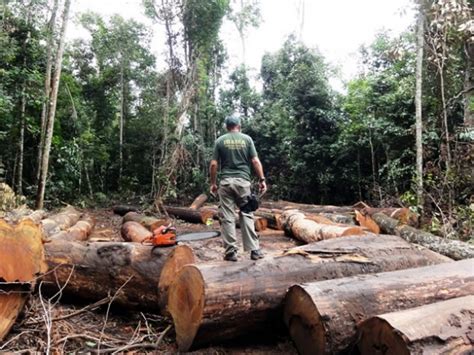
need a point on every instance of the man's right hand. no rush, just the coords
(213, 190)
(262, 188)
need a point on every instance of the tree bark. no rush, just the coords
(131, 270)
(22, 261)
(134, 232)
(469, 84)
(78, 232)
(149, 222)
(121, 122)
(52, 109)
(454, 249)
(189, 215)
(322, 316)
(47, 86)
(438, 328)
(198, 202)
(122, 210)
(67, 217)
(309, 231)
(221, 300)
(418, 107)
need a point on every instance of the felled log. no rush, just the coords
(78, 232)
(128, 271)
(180, 256)
(35, 216)
(149, 222)
(310, 231)
(367, 222)
(454, 249)
(342, 218)
(67, 217)
(189, 215)
(402, 214)
(221, 300)
(122, 210)
(272, 217)
(21, 262)
(438, 328)
(260, 223)
(282, 205)
(322, 316)
(134, 232)
(198, 202)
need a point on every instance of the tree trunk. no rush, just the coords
(198, 202)
(67, 217)
(121, 121)
(221, 300)
(22, 261)
(78, 232)
(21, 143)
(438, 328)
(418, 107)
(130, 269)
(272, 217)
(322, 316)
(134, 232)
(454, 249)
(367, 222)
(35, 216)
(122, 210)
(149, 222)
(52, 110)
(282, 205)
(47, 86)
(189, 215)
(309, 231)
(403, 215)
(469, 85)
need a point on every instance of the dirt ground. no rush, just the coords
(51, 324)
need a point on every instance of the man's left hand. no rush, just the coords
(262, 188)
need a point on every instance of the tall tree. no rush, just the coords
(418, 107)
(52, 108)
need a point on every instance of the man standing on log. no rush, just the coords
(236, 153)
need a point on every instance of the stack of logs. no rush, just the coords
(338, 290)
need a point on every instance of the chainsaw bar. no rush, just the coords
(189, 237)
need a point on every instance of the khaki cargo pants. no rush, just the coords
(232, 192)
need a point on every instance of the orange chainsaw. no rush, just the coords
(165, 236)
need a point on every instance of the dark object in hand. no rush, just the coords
(250, 204)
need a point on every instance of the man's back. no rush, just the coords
(234, 151)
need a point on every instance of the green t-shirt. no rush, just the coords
(234, 151)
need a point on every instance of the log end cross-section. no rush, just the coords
(22, 260)
(186, 304)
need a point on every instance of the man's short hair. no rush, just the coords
(232, 121)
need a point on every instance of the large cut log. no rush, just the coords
(217, 301)
(402, 214)
(134, 232)
(122, 210)
(193, 216)
(272, 217)
(284, 205)
(93, 271)
(78, 232)
(454, 249)
(198, 202)
(322, 316)
(21, 262)
(309, 231)
(36, 216)
(149, 222)
(67, 217)
(367, 222)
(439, 328)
